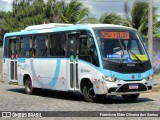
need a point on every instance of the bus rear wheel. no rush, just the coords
(89, 94)
(28, 86)
(130, 97)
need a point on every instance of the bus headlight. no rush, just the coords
(110, 79)
(149, 78)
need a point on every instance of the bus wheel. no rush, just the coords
(89, 94)
(28, 86)
(130, 97)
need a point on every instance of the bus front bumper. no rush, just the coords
(122, 87)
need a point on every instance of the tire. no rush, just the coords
(89, 94)
(130, 97)
(28, 86)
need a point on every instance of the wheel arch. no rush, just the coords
(84, 81)
(25, 77)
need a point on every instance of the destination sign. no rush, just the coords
(115, 35)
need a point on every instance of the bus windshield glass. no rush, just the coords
(121, 45)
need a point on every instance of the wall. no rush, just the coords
(0, 63)
(156, 54)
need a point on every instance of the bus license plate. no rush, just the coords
(133, 86)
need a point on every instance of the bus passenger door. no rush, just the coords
(72, 64)
(13, 54)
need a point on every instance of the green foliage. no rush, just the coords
(27, 12)
(74, 12)
(111, 18)
(137, 18)
(156, 35)
(32, 12)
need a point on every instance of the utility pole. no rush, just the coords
(150, 28)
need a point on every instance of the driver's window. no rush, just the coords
(134, 47)
(87, 48)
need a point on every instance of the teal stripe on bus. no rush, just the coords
(56, 74)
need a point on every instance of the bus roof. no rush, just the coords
(59, 27)
(108, 25)
(46, 26)
(54, 25)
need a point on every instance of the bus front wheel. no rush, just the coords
(130, 97)
(28, 86)
(89, 94)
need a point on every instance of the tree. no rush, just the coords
(74, 12)
(23, 14)
(137, 17)
(111, 18)
(2, 24)
(63, 12)
(28, 12)
(32, 12)
(52, 10)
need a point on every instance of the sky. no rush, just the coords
(96, 7)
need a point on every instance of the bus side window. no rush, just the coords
(6, 48)
(12, 49)
(40, 46)
(46, 46)
(58, 45)
(87, 47)
(25, 44)
(93, 53)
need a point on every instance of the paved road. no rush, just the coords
(13, 98)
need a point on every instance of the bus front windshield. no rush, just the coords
(121, 46)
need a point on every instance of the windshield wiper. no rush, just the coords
(122, 49)
(134, 55)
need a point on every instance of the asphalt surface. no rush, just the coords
(14, 98)
(156, 86)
